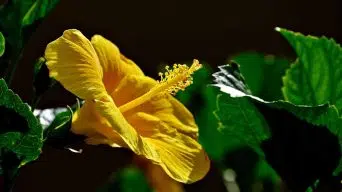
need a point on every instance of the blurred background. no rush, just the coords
(165, 31)
(158, 32)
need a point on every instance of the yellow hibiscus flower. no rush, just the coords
(125, 108)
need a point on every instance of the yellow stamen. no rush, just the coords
(171, 82)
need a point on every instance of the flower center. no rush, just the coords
(173, 80)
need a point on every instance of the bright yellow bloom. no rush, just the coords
(125, 108)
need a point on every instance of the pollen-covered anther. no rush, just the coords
(173, 80)
(179, 77)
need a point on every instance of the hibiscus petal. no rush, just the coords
(163, 106)
(115, 65)
(179, 118)
(169, 138)
(179, 160)
(132, 87)
(181, 156)
(72, 61)
(87, 121)
(107, 108)
(167, 126)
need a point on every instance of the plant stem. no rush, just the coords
(13, 66)
(9, 178)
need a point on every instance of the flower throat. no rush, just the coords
(173, 80)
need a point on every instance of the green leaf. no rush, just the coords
(315, 77)
(60, 126)
(322, 116)
(265, 172)
(129, 179)
(240, 121)
(133, 180)
(12, 14)
(312, 188)
(39, 9)
(241, 124)
(263, 74)
(21, 132)
(201, 101)
(17, 19)
(2, 44)
(333, 121)
(17, 14)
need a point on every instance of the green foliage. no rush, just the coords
(242, 125)
(20, 130)
(196, 88)
(2, 44)
(311, 188)
(252, 130)
(133, 180)
(17, 14)
(222, 145)
(60, 126)
(57, 133)
(263, 74)
(38, 10)
(314, 78)
(264, 172)
(201, 101)
(240, 122)
(233, 114)
(332, 120)
(16, 18)
(129, 179)
(212, 140)
(21, 135)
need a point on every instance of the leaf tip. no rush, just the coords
(278, 29)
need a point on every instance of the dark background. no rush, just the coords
(154, 32)
(168, 31)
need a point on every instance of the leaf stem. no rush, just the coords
(9, 178)
(12, 66)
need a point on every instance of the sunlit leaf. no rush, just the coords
(263, 73)
(60, 125)
(241, 125)
(315, 77)
(293, 128)
(57, 124)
